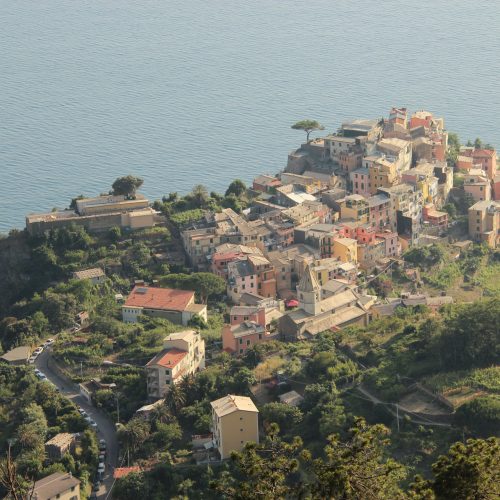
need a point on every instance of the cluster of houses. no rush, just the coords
(347, 203)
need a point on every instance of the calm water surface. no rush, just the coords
(205, 91)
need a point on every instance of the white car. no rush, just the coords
(32, 360)
(49, 342)
(38, 351)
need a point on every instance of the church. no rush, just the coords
(329, 307)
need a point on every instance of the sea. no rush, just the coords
(205, 91)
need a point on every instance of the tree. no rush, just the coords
(357, 468)
(39, 323)
(470, 336)
(332, 418)
(282, 414)
(115, 233)
(167, 434)
(127, 186)
(480, 415)
(199, 195)
(237, 187)
(478, 143)
(265, 469)
(453, 148)
(132, 487)
(134, 434)
(16, 486)
(243, 380)
(175, 399)
(90, 448)
(208, 284)
(308, 126)
(468, 471)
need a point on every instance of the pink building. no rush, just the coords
(496, 187)
(477, 185)
(464, 163)
(220, 262)
(485, 158)
(392, 245)
(435, 217)
(379, 208)
(240, 314)
(360, 181)
(238, 338)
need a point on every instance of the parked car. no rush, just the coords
(102, 444)
(93, 424)
(37, 371)
(32, 360)
(37, 351)
(100, 470)
(49, 342)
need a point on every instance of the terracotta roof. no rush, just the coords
(488, 153)
(168, 358)
(159, 298)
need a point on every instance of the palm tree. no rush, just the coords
(175, 399)
(161, 414)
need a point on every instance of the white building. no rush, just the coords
(183, 353)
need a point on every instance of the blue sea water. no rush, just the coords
(204, 91)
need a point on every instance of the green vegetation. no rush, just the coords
(187, 217)
(308, 126)
(127, 186)
(483, 378)
(32, 412)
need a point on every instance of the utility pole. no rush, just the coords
(117, 409)
(81, 369)
(397, 414)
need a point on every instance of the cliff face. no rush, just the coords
(14, 269)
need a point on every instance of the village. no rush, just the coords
(307, 254)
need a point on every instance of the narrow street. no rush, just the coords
(106, 428)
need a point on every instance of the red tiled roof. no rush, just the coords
(159, 298)
(125, 471)
(168, 359)
(484, 152)
(226, 255)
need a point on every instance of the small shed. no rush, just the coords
(292, 398)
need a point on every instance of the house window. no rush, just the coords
(241, 341)
(248, 342)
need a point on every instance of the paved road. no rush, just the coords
(106, 428)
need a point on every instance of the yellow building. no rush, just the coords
(345, 249)
(354, 207)
(235, 421)
(382, 172)
(62, 486)
(484, 222)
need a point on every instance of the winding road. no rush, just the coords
(106, 428)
